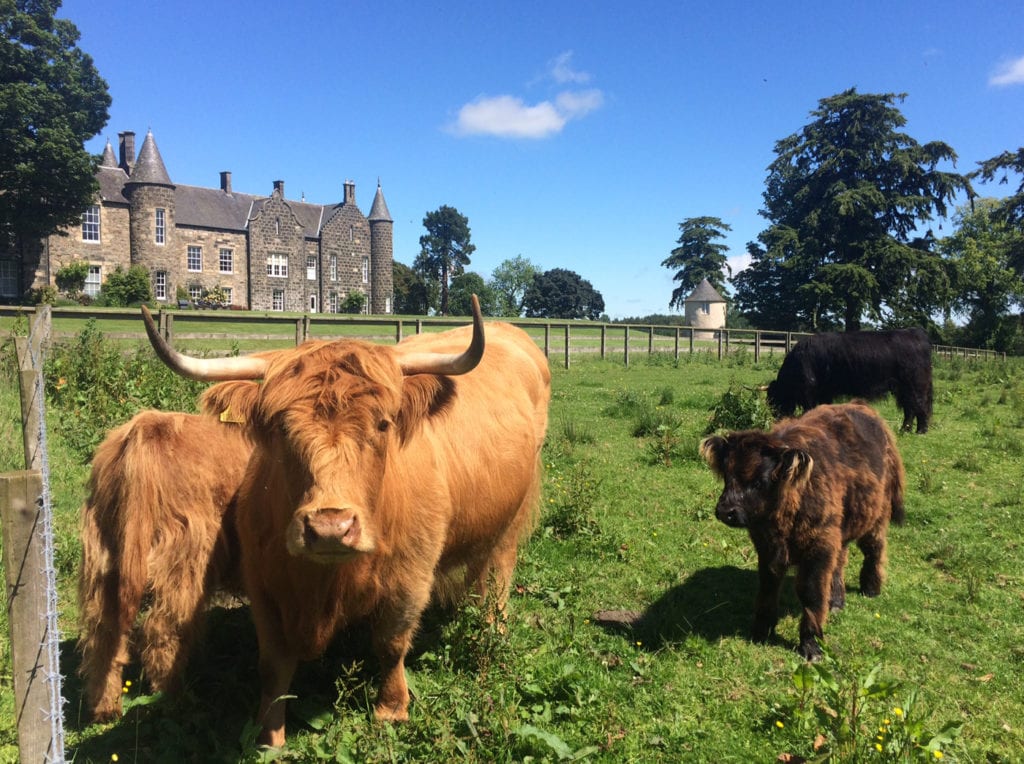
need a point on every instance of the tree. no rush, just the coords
(52, 100)
(986, 285)
(444, 249)
(463, 287)
(410, 293)
(845, 197)
(1012, 208)
(561, 293)
(698, 257)
(510, 280)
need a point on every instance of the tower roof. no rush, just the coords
(109, 159)
(704, 293)
(379, 210)
(149, 168)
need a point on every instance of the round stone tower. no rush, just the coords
(381, 255)
(151, 213)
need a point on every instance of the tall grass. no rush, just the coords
(625, 531)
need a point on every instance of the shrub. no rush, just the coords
(71, 278)
(740, 408)
(124, 288)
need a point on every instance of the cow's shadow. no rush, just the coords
(710, 604)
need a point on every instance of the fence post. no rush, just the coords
(398, 330)
(567, 345)
(625, 343)
(604, 339)
(757, 346)
(677, 344)
(547, 340)
(21, 503)
(650, 341)
(690, 330)
(719, 346)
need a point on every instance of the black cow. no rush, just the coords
(869, 365)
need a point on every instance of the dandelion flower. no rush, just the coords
(898, 711)
(878, 747)
(113, 757)
(937, 754)
(779, 724)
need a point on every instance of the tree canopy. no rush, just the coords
(510, 280)
(411, 294)
(844, 198)
(699, 256)
(52, 100)
(1012, 208)
(444, 250)
(463, 287)
(560, 293)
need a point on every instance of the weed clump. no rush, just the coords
(740, 408)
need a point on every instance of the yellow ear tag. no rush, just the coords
(227, 416)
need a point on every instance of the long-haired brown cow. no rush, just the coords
(155, 524)
(381, 475)
(804, 491)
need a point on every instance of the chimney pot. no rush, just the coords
(225, 181)
(350, 192)
(126, 150)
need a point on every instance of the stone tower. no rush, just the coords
(149, 190)
(381, 254)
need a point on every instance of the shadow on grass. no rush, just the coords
(711, 604)
(212, 718)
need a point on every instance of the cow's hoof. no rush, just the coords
(810, 651)
(390, 714)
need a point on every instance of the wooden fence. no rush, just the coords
(219, 329)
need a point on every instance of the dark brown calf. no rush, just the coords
(804, 491)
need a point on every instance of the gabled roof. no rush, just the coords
(704, 293)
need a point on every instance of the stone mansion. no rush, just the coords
(265, 252)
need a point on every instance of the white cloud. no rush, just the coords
(561, 72)
(508, 116)
(1009, 73)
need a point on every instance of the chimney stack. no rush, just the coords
(279, 187)
(350, 192)
(126, 149)
(225, 181)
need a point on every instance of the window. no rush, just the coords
(351, 233)
(334, 268)
(195, 259)
(92, 281)
(160, 285)
(8, 278)
(366, 270)
(312, 303)
(161, 225)
(311, 267)
(228, 294)
(705, 308)
(277, 226)
(227, 261)
(332, 302)
(195, 292)
(387, 304)
(91, 224)
(278, 300)
(277, 266)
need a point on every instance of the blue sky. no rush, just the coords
(576, 134)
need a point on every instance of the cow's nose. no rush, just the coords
(728, 515)
(333, 525)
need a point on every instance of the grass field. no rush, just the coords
(930, 670)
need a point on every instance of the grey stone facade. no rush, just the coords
(269, 252)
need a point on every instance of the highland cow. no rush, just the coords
(824, 367)
(381, 476)
(804, 491)
(156, 524)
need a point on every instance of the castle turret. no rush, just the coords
(152, 232)
(381, 254)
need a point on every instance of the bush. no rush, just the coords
(71, 278)
(126, 288)
(740, 408)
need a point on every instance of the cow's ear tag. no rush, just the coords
(227, 416)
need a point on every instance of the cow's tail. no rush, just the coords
(140, 497)
(897, 482)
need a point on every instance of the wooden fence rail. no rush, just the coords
(557, 338)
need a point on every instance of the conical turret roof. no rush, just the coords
(704, 293)
(109, 159)
(149, 168)
(379, 210)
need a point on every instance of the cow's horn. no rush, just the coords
(203, 369)
(454, 363)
